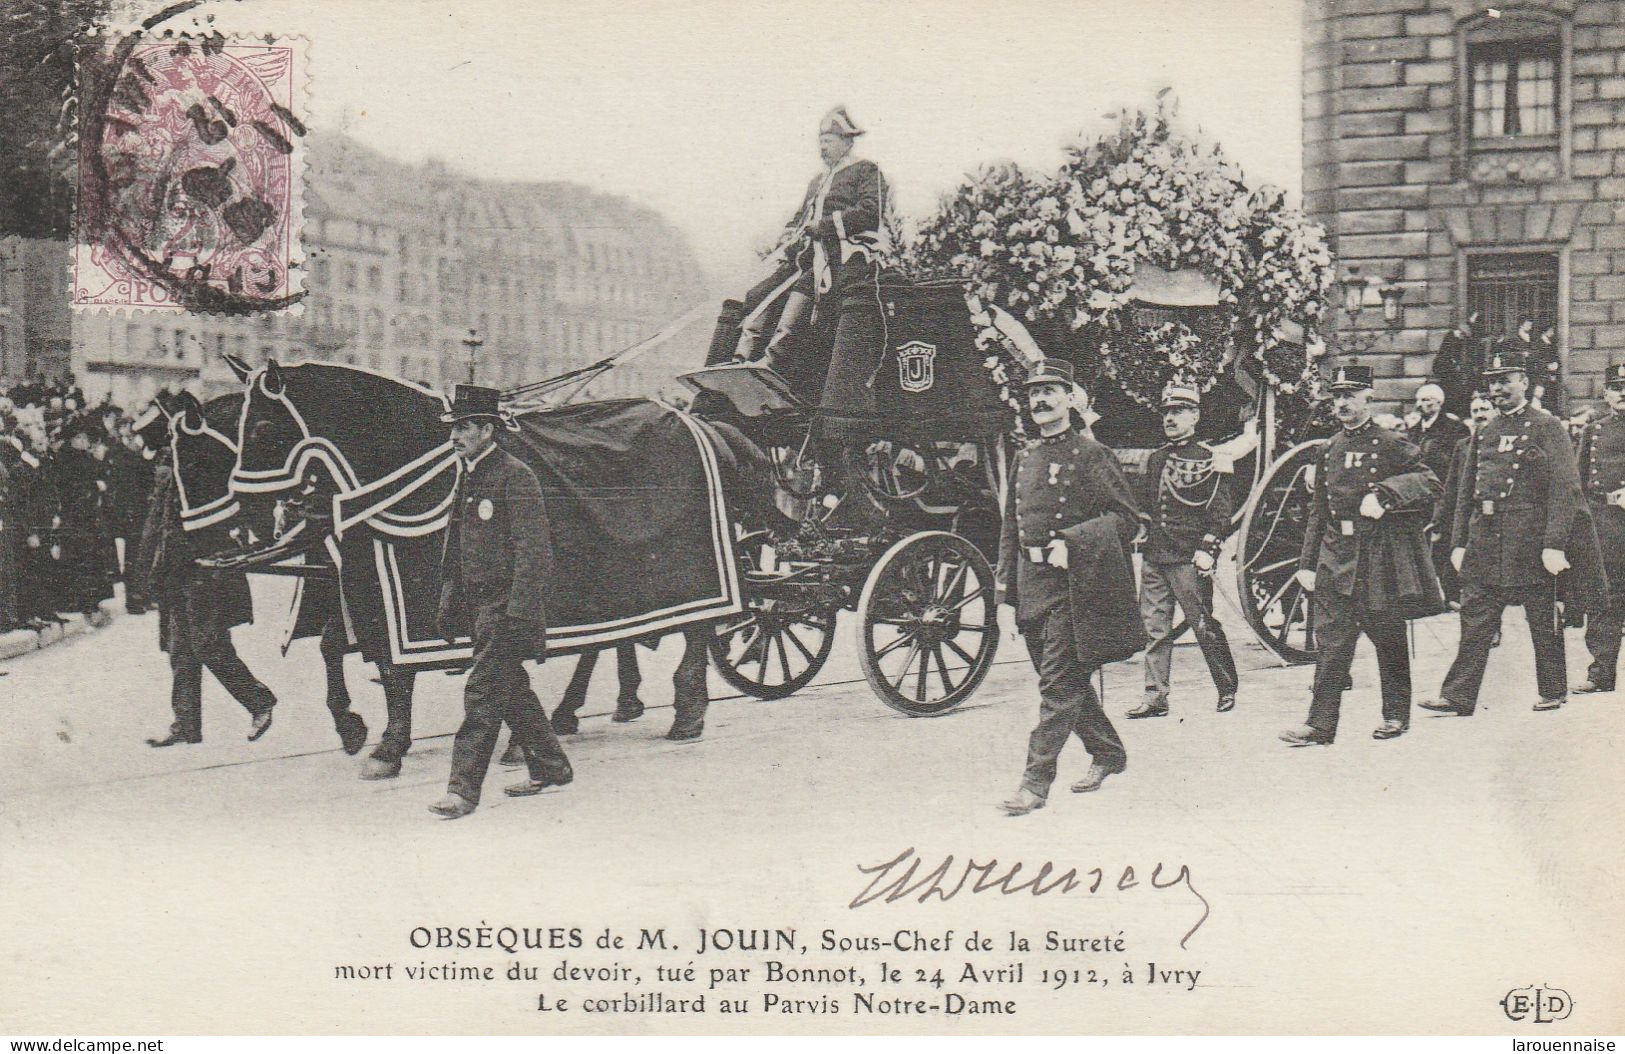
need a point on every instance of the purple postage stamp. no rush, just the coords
(191, 166)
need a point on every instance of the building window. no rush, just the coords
(1514, 89)
(375, 279)
(1503, 289)
(323, 272)
(347, 274)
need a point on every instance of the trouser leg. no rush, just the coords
(1067, 705)
(626, 669)
(1551, 671)
(1603, 631)
(1449, 581)
(1157, 613)
(544, 757)
(484, 704)
(1337, 631)
(575, 693)
(220, 658)
(1195, 595)
(1481, 608)
(186, 693)
(1392, 644)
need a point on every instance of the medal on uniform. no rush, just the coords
(1347, 526)
(486, 509)
(1054, 471)
(1489, 506)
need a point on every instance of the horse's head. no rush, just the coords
(203, 454)
(270, 433)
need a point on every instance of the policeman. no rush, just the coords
(1066, 488)
(1190, 506)
(1364, 558)
(1602, 476)
(498, 557)
(1520, 491)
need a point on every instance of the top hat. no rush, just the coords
(1615, 375)
(1351, 379)
(473, 401)
(1179, 396)
(838, 122)
(1051, 371)
(1504, 362)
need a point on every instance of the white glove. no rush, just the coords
(1456, 558)
(1306, 579)
(1371, 507)
(1617, 498)
(1203, 560)
(101, 485)
(1056, 554)
(33, 541)
(1554, 561)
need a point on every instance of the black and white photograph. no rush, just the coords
(822, 518)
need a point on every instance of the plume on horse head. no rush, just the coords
(374, 443)
(203, 454)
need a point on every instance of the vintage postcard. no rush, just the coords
(553, 518)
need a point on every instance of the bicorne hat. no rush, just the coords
(1351, 378)
(838, 122)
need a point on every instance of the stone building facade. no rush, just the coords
(403, 261)
(35, 330)
(1471, 161)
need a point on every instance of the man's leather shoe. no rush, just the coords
(681, 733)
(1024, 802)
(352, 733)
(1304, 736)
(628, 710)
(173, 739)
(381, 769)
(453, 806)
(259, 726)
(1227, 703)
(1550, 704)
(1149, 708)
(529, 787)
(565, 723)
(513, 757)
(1391, 730)
(1445, 706)
(1587, 686)
(1091, 782)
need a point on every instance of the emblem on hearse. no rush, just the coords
(915, 372)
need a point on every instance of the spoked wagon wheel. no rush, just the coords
(1275, 605)
(776, 646)
(772, 650)
(927, 623)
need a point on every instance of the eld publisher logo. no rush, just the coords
(1539, 1005)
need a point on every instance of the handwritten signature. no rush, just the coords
(895, 879)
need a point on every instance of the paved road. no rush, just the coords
(145, 889)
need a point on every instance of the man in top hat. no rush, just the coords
(1365, 558)
(1069, 522)
(828, 244)
(1602, 477)
(1515, 509)
(1436, 432)
(497, 562)
(1189, 503)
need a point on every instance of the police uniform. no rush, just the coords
(1061, 482)
(498, 557)
(1364, 570)
(1189, 503)
(1602, 477)
(1520, 491)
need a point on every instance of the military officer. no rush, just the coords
(1189, 505)
(829, 243)
(1066, 489)
(497, 560)
(1365, 558)
(1602, 477)
(1519, 494)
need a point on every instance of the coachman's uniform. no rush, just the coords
(497, 561)
(1189, 507)
(1602, 477)
(1519, 494)
(1371, 574)
(1070, 488)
